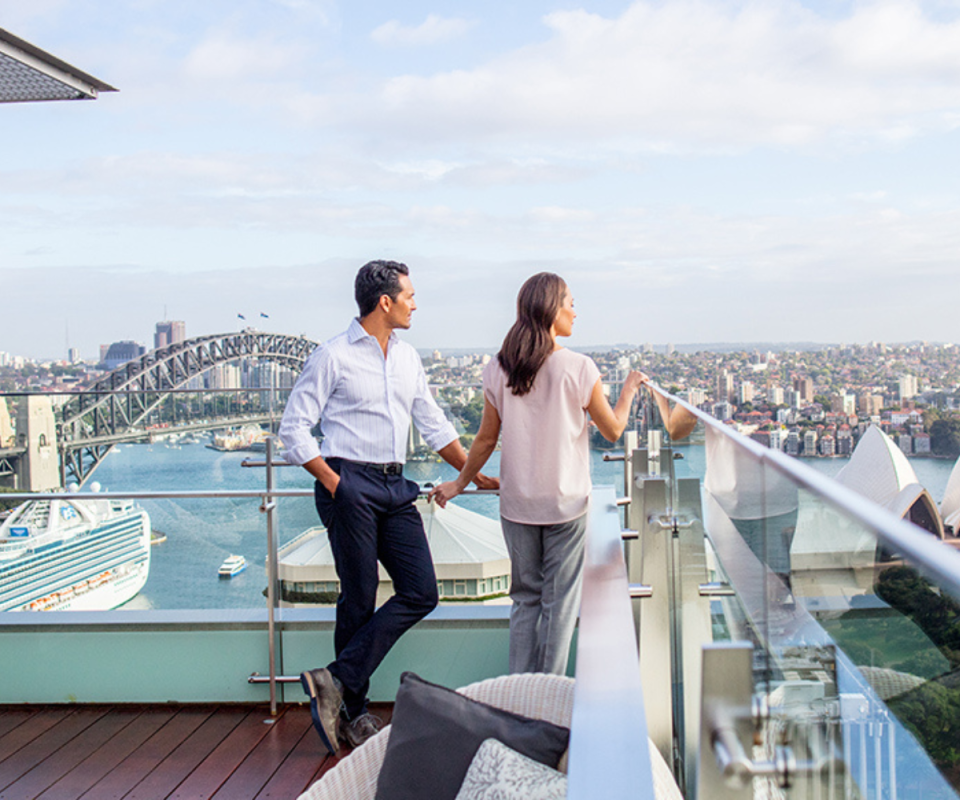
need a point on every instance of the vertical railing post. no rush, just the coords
(270, 507)
(649, 504)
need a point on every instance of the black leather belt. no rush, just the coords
(395, 468)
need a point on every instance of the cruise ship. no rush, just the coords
(73, 555)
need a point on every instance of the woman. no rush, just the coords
(537, 395)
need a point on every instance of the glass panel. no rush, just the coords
(856, 654)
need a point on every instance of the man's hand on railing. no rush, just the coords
(445, 492)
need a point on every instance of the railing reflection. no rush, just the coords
(849, 611)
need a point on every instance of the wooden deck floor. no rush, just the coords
(102, 752)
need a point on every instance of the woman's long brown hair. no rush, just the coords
(528, 343)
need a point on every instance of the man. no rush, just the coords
(363, 386)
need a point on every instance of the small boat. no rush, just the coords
(233, 565)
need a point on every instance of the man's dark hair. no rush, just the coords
(375, 279)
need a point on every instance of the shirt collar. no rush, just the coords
(356, 333)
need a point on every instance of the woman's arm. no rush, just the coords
(677, 420)
(612, 421)
(482, 447)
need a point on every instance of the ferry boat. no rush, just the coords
(73, 555)
(233, 565)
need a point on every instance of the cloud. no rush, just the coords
(227, 58)
(433, 30)
(695, 74)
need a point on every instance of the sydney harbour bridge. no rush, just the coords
(148, 395)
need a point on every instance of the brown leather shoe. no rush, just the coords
(357, 730)
(325, 702)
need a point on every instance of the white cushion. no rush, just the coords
(499, 773)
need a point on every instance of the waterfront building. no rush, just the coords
(792, 445)
(827, 445)
(905, 443)
(777, 438)
(810, 443)
(844, 440)
(921, 444)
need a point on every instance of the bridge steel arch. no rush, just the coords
(122, 400)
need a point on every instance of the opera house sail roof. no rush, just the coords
(880, 471)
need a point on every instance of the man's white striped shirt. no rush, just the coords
(364, 401)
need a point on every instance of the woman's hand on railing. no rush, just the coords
(486, 482)
(678, 421)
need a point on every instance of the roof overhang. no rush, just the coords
(29, 74)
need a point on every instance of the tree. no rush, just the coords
(945, 437)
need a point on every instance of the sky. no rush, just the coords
(696, 170)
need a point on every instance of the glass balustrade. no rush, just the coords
(827, 627)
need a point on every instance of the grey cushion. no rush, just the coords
(499, 773)
(435, 733)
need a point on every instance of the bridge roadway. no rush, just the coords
(154, 433)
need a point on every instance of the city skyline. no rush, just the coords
(698, 172)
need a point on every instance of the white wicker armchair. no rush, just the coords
(547, 697)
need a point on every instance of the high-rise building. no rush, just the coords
(169, 332)
(724, 387)
(805, 387)
(775, 395)
(869, 405)
(746, 393)
(908, 387)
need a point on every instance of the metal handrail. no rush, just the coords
(609, 746)
(928, 554)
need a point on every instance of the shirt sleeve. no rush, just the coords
(493, 385)
(435, 428)
(305, 406)
(590, 375)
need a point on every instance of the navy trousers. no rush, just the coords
(372, 518)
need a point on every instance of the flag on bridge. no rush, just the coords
(241, 316)
(265, 316)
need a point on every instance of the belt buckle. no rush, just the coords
(393, 469)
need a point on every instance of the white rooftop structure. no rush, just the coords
(29, 74)
(950, 507)
(833, 559)
(469, 556)
(880, 471)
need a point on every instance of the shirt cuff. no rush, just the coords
(441, 438)
(302, 453)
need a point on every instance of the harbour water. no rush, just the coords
(202, 533)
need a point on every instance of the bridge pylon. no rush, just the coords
(38, 469)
